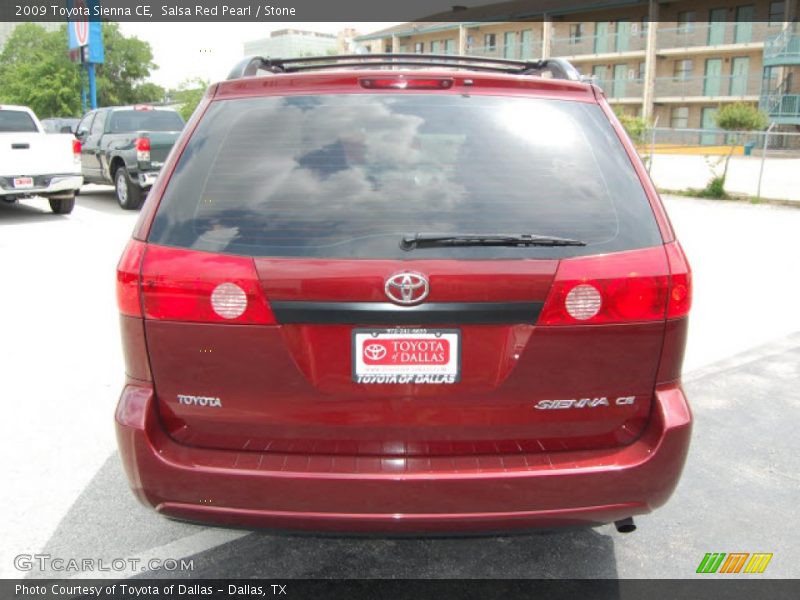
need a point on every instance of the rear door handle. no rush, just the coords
(20, 146)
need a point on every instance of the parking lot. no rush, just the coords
(65, 494)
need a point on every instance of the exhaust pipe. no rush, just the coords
(625, 525)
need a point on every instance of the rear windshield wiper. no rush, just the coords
(438, 240)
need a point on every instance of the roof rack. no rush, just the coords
(558, 68)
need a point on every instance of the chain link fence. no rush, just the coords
(663, 140)
(762, 164)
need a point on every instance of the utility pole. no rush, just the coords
(763, 158)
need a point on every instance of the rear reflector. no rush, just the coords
(612, 288)
(183, 285)
(401, 83)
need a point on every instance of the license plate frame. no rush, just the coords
(448, 372)
(23, 183)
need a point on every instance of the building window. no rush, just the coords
(641, 73)
(450, 47)
(470, 41)
(419, 48)
(490, 41)
(435, 47)
(575, 33)
(686, 20)
(679, 119)
(526, 44)
(683, 69)
(776, 12)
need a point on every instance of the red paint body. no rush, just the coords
(298, 444)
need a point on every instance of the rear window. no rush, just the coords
(60, 125)
(17, 121)
(346, 176)
(126, 121)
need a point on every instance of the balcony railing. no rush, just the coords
(622, 88)
(529, 50)
(409, 49)
(783, 49)
(693, 35)
(609, 43)
(736, 86)
(782, 106)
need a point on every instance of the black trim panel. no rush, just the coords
(386, 313)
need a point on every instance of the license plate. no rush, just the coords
(22, 183)
(403, 356)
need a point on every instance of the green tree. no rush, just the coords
(122, 78)
(741, 116)
(636, 127)
(36, 71)
(189, 94)
(737, 118)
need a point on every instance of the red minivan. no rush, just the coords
(403, 294)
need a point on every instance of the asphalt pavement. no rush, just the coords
(66, 495)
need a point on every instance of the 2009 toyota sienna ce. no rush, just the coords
(403, 294)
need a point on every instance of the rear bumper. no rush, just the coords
(44, 185)
(146, 179)
(373, 494)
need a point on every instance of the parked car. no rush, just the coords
(420, 299)
(33, 163)
(126, 146)
(60, 125)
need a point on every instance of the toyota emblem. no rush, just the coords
(407, 288)
(375, 351)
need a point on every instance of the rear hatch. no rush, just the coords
(161, 142)
(24, 151)
(161, 127)
(284, 314)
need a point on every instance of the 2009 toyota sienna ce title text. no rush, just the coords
(435, 295)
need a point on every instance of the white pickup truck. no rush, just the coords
(34, 163)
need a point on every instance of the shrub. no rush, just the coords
(715, 189)
(741, 116)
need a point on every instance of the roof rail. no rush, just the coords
(557, 67)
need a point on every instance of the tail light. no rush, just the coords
(128, 271)
(614, 288)
(134, 350)
(143, 149)
(76, 151)
(184, 285)
(680, 291)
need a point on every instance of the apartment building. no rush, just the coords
(293, 43)
(674, 61)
